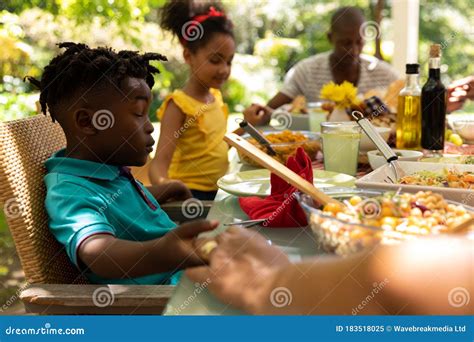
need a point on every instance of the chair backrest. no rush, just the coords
(24, 146)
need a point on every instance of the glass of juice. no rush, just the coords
(316, 115)
(340, 142)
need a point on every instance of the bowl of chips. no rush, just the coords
(285, 143)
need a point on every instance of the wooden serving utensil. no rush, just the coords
(279, 169)
(463, 226)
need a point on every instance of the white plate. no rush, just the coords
(375, 180)
(257, 182)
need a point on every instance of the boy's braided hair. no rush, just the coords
(80, 68)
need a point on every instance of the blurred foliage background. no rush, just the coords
(271, 37)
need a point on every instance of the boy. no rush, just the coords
(111, 226)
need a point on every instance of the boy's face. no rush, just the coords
(211, 64)
(119, 130)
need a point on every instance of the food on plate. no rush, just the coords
(445, 178)
(388, 218)
(456, 139)
(467, 160)
(285, 144)
(387, 120)
(453, 138)
(298, 105)
(391, 95)
(451, 148)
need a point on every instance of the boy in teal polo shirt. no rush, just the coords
(112, 227)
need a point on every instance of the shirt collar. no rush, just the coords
(58, 163)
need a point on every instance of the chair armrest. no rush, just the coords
(67, 299)
(179, 213)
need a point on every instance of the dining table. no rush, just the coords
(298, 243)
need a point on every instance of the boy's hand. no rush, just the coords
(170, 190)
(180, 241)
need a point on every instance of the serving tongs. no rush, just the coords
(382, 146)
(254, 133)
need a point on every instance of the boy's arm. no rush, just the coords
(109, 257)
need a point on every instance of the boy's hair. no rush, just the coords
(80, 68)
(195, 23)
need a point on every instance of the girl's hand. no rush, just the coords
(178, 190)
(170, 190)
(241, 268)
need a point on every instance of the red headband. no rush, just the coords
(196, 21)
(212, 13)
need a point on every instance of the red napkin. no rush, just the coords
(281, 208)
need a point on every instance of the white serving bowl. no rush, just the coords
(378, 178)
(465, 128)
(376, 159)
(367, 145)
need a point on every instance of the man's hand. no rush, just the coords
(241, 268)
(458, 92)
(257, 115)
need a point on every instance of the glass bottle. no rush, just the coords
(409, 111)
(433, 106)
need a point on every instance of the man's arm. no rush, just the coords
(260, 115)
(412, 278)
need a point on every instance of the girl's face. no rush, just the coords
(211, 64)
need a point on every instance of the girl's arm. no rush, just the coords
(171, 126)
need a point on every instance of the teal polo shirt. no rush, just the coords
(86, 198)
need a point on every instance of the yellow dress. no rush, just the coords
(200, 157)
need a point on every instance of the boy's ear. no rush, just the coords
(83, 121)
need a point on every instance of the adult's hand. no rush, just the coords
(179, 242)
(257, 115)
(241, 267)
(458, 92)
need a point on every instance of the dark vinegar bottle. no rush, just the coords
(433, 105)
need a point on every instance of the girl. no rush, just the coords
(194, 118)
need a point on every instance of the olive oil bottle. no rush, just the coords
(409, 111)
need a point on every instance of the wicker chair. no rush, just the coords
(55, 286)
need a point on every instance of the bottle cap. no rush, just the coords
(412, 69)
